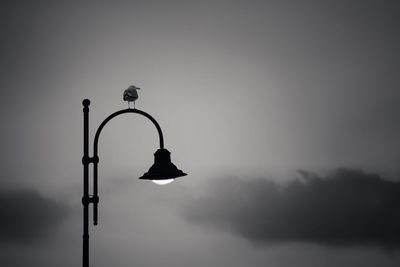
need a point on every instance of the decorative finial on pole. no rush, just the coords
(131, 95)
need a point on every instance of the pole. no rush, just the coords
(85, 198)
(86, 160)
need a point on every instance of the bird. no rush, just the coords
(131, 95)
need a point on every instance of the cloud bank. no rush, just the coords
(27, 217)
(344, 208)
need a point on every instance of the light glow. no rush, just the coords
(163, 182)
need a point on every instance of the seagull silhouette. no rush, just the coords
(131, 95)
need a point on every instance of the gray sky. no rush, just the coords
(246, 92)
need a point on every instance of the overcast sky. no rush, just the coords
(283, 113)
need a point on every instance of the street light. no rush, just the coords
(163, 171)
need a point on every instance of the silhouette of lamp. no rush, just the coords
(162, 172)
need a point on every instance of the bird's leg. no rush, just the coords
(129, 105)
(133, 104)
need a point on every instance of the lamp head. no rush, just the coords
(163, 170)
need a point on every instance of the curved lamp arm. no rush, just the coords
(120, 112)
(95, 151)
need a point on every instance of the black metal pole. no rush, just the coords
(85, 198)
(86, 160)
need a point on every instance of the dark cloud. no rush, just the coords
(344, 208)
(26, 216)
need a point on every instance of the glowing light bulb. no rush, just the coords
(163, 182)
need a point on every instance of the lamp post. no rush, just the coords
(162, 171)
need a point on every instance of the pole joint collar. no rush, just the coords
(86, 200)
(86, 160)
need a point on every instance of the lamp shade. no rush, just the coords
(162, 168)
